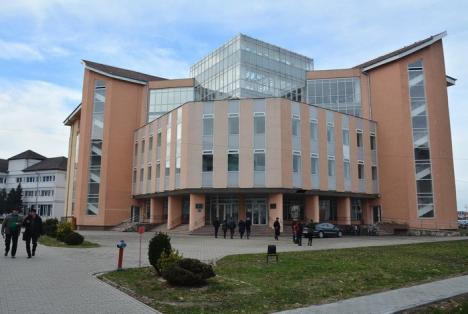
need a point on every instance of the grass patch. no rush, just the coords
(246, 284)
(49, 241)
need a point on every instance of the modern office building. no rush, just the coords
(257, 132)
(42, 180)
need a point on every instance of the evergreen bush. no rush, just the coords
(168, 259)
(63, 229)
(159, 244)
(74, 238)
(188, 272)
(50, 227)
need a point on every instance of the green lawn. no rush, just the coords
(49, 241)
(246, 284)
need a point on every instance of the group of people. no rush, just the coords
(298, 232)
(11, 230)
(244, 227)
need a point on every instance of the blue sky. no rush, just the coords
(42, 43)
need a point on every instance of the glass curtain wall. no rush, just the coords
(166, 99)
(247, 67)
(340, 94)
(422, 156)
(97, 129)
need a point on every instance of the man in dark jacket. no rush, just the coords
(11, 229)
(277, 227)
(216, 226)
(241, 228)
(224, 226)
(299, 228)
(248, 227)
(33, 230)
(232, 227)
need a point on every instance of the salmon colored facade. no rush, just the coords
(345, 162)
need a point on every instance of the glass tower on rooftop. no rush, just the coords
(245, 67)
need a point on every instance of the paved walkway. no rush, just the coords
(394, 300)
(60, 280)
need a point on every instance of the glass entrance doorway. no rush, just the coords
(223, 207)
(256, 209)
(227, 212)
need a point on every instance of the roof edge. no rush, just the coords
(71, 117)
(406, 53)
(112, 75)
(450, 80)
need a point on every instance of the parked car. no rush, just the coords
(463, 224)
(322, 230)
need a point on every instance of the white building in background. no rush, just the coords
(43, 181)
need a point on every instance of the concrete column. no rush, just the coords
(312, 208)
(197, 215)
(156, 210)
(174, 211)
(344, 211)
(367, 212)
(276, 199)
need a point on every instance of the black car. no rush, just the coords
(323, 230)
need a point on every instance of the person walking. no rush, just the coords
(248, 227)
(241, 228)
(293, 227)
(33, 230)
(216, 226)
(224, 226)
(11, 229)
(277, 227)
(232, 227)
(299, 229)
(310, 232)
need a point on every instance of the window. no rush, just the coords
(360, 170)
(207, 161)
(149, 172)
(208, 125)
(259, 160)
(330, 133)
(345, 137)
(158, 140)
(296, 162)
(346, 169)
(374, 173)
(45, 210)
(356, 209)
(296, 124)
(233, 160)
(314, 130)
(30, 179)
(158, 170)
(150, 143)
(233, 122)
(142, 146)
(134, 175)
(142, 172)
(136, 148)
(314, 164)
(372, 141)
(331, 166)
(359, 138)
(259, 124)
(18, 180)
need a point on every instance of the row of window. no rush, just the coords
(29, 193)
(2, 180)
(34, 179)
(44, 210)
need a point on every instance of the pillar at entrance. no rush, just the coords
(344, 211)
(312, 208)
(156, 210)
(367, 212)
(275, 200)
(197, 211)
(174, 211)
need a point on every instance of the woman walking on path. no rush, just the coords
(277, 227)
(33, 230)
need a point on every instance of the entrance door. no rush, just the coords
(376, 213)
(185, 211)
(135, 214)
(256, 210)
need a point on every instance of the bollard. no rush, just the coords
(121, 245)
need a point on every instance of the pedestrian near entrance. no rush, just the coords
(241, 228)
(293, 227)
(277, 227)
(216, 226)
(310, 232)
(248, 227)
(299, 229)
(232, 227)
(33, 230)
(224, 226)
(11, 229)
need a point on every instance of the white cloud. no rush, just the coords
(19, 51)
(32, 117)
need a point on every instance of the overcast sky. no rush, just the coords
(42, 43)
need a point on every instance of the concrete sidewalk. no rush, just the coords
(394, 300)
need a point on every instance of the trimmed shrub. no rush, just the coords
(159, 244)
(195, 266)
(50, 227)
(168, 259)
(177, 276)
(63, 229)
(74, 238)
